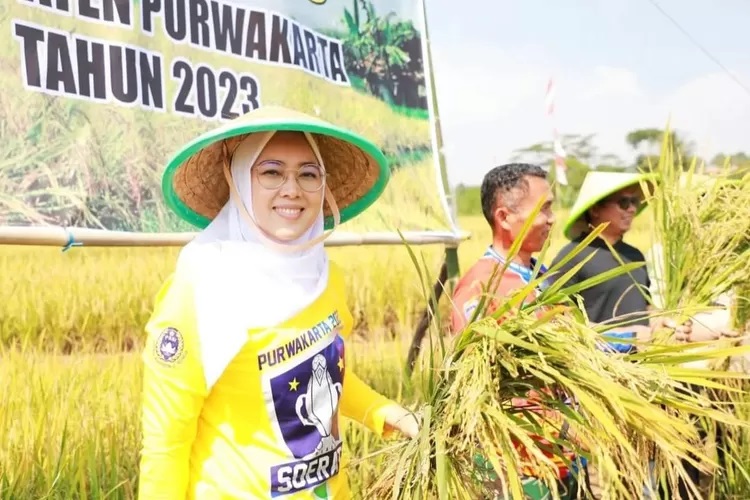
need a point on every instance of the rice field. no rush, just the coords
(99, 298)
(70, 333)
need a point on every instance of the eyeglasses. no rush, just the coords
(624, 202)
(310, 178)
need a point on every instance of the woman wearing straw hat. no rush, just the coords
(245, 367)
(614, 199)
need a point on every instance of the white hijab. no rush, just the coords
(240, 282)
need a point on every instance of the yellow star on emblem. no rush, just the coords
(340, 364)
(293, 384)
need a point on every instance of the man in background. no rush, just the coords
(509, 195)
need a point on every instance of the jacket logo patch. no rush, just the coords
(169, 346)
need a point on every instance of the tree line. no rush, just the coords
(583, 156)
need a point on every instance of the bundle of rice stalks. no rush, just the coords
(531, 391)
(701, 227)
(616, 409)
(701, 269)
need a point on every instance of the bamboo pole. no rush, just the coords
(68, 237)
(449, 271)
(447, 194)
(428, 315)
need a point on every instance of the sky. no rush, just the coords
(618, 65)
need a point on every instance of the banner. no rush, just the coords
(98, 94)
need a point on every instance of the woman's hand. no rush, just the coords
(399, 418)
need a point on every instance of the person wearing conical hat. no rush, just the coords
(246, 374)
(614, 199)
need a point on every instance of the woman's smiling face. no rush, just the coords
(288, 186)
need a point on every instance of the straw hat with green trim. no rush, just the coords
(596, 187)
(195, 188)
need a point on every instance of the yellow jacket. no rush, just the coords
(269, 426)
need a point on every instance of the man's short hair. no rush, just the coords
(502, 181)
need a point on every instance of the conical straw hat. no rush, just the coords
(195, 188)
(596, 187)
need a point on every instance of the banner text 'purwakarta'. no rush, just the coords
(68, 64)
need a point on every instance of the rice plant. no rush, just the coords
(702, 224)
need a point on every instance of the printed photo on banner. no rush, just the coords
(105, 91)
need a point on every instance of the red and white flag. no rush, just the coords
(559, 152)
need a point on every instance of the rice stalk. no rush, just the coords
(702, 224)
